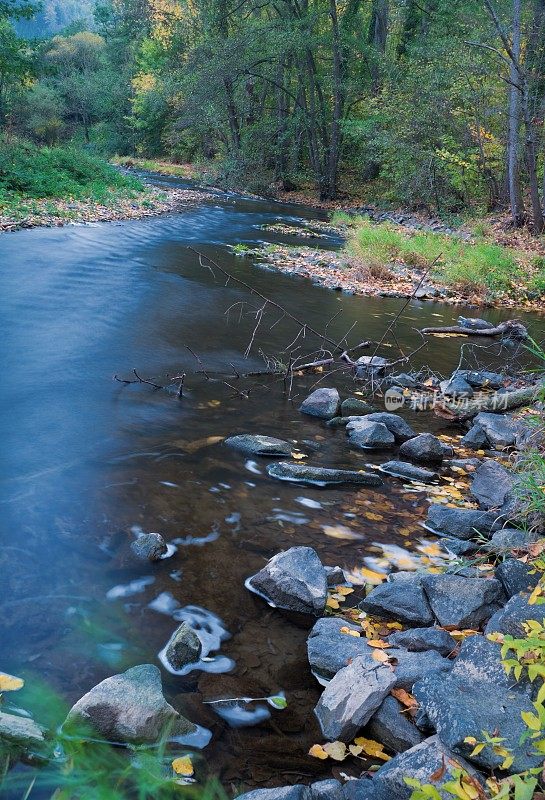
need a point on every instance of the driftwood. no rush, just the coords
(507, 401)
(511, 328)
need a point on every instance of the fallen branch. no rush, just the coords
(511, 328)
(466, 409)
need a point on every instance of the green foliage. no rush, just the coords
(56, 172)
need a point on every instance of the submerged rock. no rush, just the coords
(492, 485)
(259, 445)
(21, 731)
(370, 435)
(421, 639)
(463, 602)
(322, 403)
(399, 600)
(150, 547)
(391, 726)
(352, 406)
(402, 469)
(395, 424)
(321, 476)
(352, 697)
(476, 696)
(404, 380)
(129, 707)
(329, 650)
(295, 580)
(425, 449)
(474, 323)
(460, 523)
(456, 386)
(184, 647)
(297, 792)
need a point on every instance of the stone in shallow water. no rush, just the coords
(402, 469)
(370, 435)
(329, 650)
(456, 387)
(482, 378)
(460, 523)
(352, 697)
(424, 448)
(322, 403)
(20, 731)
(297, 792)
(399, 600)
(390, 726)
(295, 580)
(184, 647)
(396, 424)
(129, 707)
(321, 476)
(354, 407)
(259, 445)
(149, 546)
(476, 696)
(421, 639)
(463, 602)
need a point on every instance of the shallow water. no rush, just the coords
(88, 462)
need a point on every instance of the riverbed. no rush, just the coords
(89, 462)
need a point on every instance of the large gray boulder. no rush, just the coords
(424, 449)
(320, 476)
(297, 792)
(369, 435)
(474, 323)
(482, 379)
(295, 580)
(411, 667)
(184, 647)
(367, 366)
(508, 539)
(22, 732)
(129, 708)
(501, 430)
(391, 726)
(475, 438)
(257, 445)
(399, 600)
(325, 790)
(352, 406)
(516, 611)
(149, 547)
(322, 403)
(421, 639)
(476, 696)
(516, 576)
(409, 472)
(460, 523)
(329, 650)
(492, 485)
(423, 762)
(456, 386)
(351, 698)
(395, 424)
(463, 602)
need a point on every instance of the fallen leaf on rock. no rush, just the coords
(381, 656)
(332, 602)
(299, 456)
(183, 766)
(404, 698)
(378, 643)
(344, 590)
(9, 683)
(350, 632)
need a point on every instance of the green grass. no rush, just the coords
(29, 172)
(155, 165)
(478, 265)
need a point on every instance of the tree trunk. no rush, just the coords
(338, 108)
(378, 32)
(515, 90)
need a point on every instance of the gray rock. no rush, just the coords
(463, 602)
(352, 697)
(329, 650)
(402, 469)
(370, 365)
(325, 790)
(297, 792)
(184, 647)
(403, 379)
(468, 464)
(475, 438)
(474, 323)
(515, 576)
(510, 619)
(492, 485)
(456, 387)
(323, 403)
(501, 430)
(129, 708)
(259, 445)
(458, 547)
(511, 539)
(370, 435)
(421, 762)
(149, 546)
(424, 448)
(426, 292)
(482, 379)
(294, 579)
(352, 406)
(399, 600)
(21, 731)
(476, 696)
(411, 667)
(390, 726)
(320, 476)
(395, 424)
(334, 576)
(421, 639)
(460, 523)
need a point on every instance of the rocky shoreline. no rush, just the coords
(424, 675)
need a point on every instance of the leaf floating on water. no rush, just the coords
(340, 532)
(277, 701)
(299, 456)
(336, 750)
(183, 766)
(317, 751)
(198, 444)
(372, 748)
(9, 683)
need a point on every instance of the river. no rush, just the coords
(88, 462)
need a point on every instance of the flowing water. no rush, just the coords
(90, 462)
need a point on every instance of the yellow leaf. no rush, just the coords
(372, 748)
(9, 683)
(332, 603)
(355, 750)
(183, 766)
(345, 590)
(336, 750)
(349, 631)
(380, 655)
(299, 456)
(317, 751)
(531, 720)
(535, 594)
(374, 517)
(378, 643)
(340, 532)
